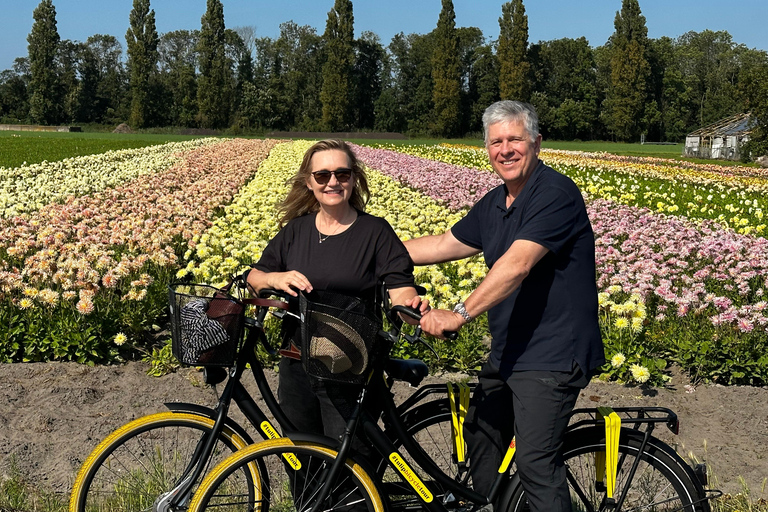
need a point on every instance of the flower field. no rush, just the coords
(88, 246)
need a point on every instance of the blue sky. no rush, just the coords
(547, 19)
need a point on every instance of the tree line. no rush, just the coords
(434, 84)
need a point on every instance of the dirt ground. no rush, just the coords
(53, 414)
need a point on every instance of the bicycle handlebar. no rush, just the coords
(414, 313)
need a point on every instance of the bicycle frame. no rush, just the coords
(235, 391)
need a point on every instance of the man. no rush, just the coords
(541, 298)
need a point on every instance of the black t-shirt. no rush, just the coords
(352, 262)
(551, 320)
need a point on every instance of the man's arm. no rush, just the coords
(427, 250)
(506, 275)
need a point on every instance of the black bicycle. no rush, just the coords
(613, 461)
(157, 461)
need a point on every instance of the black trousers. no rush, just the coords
(535, 407)
(318, 408)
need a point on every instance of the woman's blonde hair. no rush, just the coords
(301, 200)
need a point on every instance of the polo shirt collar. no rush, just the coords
(501, 200)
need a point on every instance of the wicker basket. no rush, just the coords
(206, 324)
(339, 338)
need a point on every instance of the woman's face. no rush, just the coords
(331, 178)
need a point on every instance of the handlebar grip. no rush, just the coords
(266, 292)
(414, 313)
(408, 311)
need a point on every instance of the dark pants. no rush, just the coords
(317, 408)
(535, 407)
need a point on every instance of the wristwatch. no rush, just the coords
(460, 309)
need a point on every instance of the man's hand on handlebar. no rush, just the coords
(437, 322)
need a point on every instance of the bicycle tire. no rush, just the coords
(660, 483)
(289, 486)
(145, 458)
(431, 426)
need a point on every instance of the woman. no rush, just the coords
(328, 243)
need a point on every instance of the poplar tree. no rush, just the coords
(44, 88)
(336, 91)
(627, 103)
(214, 84)
(446, 75)
(142, 40)
(514, 67)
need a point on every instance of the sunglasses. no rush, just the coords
(323, 177)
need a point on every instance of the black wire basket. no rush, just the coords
(340, 339)
(206, 324)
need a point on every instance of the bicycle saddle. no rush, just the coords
(411, 371)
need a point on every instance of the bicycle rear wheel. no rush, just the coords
(659, 484)
(291, 477)
(143, 460)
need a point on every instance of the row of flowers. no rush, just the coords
(28, 188)
(113, 251)
(736, 199)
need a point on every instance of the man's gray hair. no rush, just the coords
(508, 111)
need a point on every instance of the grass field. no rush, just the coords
(34, 147)
(16, 148)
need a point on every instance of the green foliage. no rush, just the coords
(565, 82)
(627, 95)
(44, 97)
(287, 79)
(465, 354)
(753, 86)
(445, 75)
(162, 361)
(709, 61)
(367, 79)
(17, 494)
(142, 40)
(335, 94)
(483, 85)
(514, 72)
(177, 58)
(712, 354)
(214, 87)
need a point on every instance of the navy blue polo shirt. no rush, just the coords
(551, 319)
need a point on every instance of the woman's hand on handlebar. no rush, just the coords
(418, 304)
(287, 282)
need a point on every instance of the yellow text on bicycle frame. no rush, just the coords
(410, 477)
(271, 433)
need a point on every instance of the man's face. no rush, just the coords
(512, 153)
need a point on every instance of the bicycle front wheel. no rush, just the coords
(292, 474)
(139, 463)
(659, 483)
